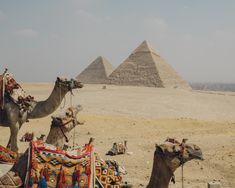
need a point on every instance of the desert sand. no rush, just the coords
(145, 116)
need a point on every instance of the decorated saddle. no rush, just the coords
(12, 90)
(107, 173)
(56, 168)
(7, 156)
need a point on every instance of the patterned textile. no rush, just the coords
(58, 168)
(15, 92)
(7, 156)
(107, 175)
(10, 180)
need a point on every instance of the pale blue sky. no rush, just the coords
(40, 40)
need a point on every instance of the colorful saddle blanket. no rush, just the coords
(62, 169)
(7, 156)
(9, 87)
(56, 168)
(107, 175)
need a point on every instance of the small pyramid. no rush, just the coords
(145, 67)
(97, 72)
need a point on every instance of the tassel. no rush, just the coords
(44, 172)
(76, 175)
(88, 170)
(42, 182)
(61, 178)
(31, 181)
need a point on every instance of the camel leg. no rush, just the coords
(9, 143)
(13, 138)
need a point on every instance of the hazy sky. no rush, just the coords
(42, 39)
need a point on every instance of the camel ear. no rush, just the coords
(159, 149)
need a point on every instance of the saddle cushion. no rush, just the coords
(59, 168)
(7, 156)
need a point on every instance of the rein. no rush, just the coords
(180, 157)
(61, 128)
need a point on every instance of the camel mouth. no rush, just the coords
(197, 155)
(77, 83)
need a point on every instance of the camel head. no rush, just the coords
(175, 153)
(62, 125)
(69, 120)
(68, 85)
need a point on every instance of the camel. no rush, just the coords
(118, 148)
(62, 126)
(10, 113)
(167, 158)
(57, 136)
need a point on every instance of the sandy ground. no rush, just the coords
(145, 116)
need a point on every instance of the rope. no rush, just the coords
(4, 82)
(62, 107)
(74, 131)
(182, 175)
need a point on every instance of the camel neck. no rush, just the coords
(161, 173)
(44, 108)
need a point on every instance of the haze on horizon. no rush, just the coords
(40, 40)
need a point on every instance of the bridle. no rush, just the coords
(177, 154)
(58, 123)
(69, 84)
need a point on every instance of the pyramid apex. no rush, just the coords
(99, 57)
(145, 42)
(145, 47)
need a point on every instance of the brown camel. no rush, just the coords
(9, 115)
(167, 158)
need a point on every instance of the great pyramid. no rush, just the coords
(97, 72)
(145, 67)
